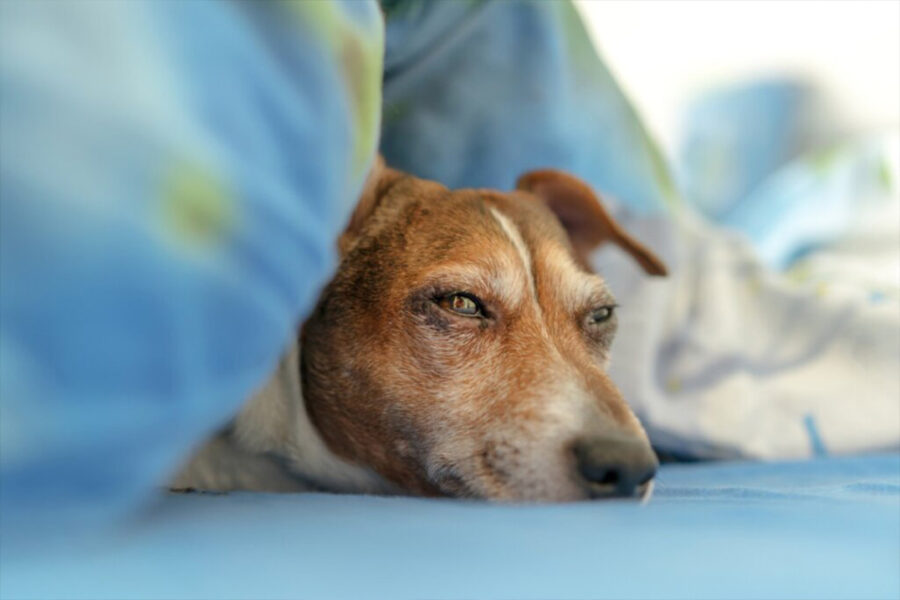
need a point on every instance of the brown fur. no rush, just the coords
(438, 403)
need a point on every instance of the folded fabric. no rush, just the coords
(734, 137)
(172, 179)
(477, 93)
(730, 356)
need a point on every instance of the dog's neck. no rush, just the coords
(274, 446)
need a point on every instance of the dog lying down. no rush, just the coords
(459, 350)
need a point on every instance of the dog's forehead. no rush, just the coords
(554, 267)
(514, 238)
(460, 218)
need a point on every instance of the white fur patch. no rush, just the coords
(648, 492)
(275, 420)
(273, 443)
(515, 237)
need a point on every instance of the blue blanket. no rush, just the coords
(819, 529)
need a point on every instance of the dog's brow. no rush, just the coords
(495, 274)
(576, 286)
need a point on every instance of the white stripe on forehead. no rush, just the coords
(515, 237)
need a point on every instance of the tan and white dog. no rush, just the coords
(459, 350)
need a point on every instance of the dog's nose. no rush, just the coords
(615, 464)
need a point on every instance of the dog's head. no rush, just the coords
(461, 347)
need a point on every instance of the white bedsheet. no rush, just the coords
(779, 341)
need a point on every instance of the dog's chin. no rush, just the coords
(452, 485)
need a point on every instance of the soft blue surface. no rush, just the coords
(828, 528)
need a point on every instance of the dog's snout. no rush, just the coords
(615, 464)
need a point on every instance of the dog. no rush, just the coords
(460, 350)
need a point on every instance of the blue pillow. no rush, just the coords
(173, 176)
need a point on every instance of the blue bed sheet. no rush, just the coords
(828, 528)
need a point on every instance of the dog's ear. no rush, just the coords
(584, 217)
(379, 180)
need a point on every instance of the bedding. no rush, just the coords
(172, 178)
(777, 333)
(819, 529)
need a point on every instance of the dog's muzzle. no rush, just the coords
(615, 465)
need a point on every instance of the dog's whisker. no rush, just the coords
(647, 492)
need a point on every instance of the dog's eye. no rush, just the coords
(601, 315)
(462, 304)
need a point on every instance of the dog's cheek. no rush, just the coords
(384, 407)
(438, 403)
(438, 350)
(412, 440)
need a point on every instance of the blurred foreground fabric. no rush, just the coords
(173, 175)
